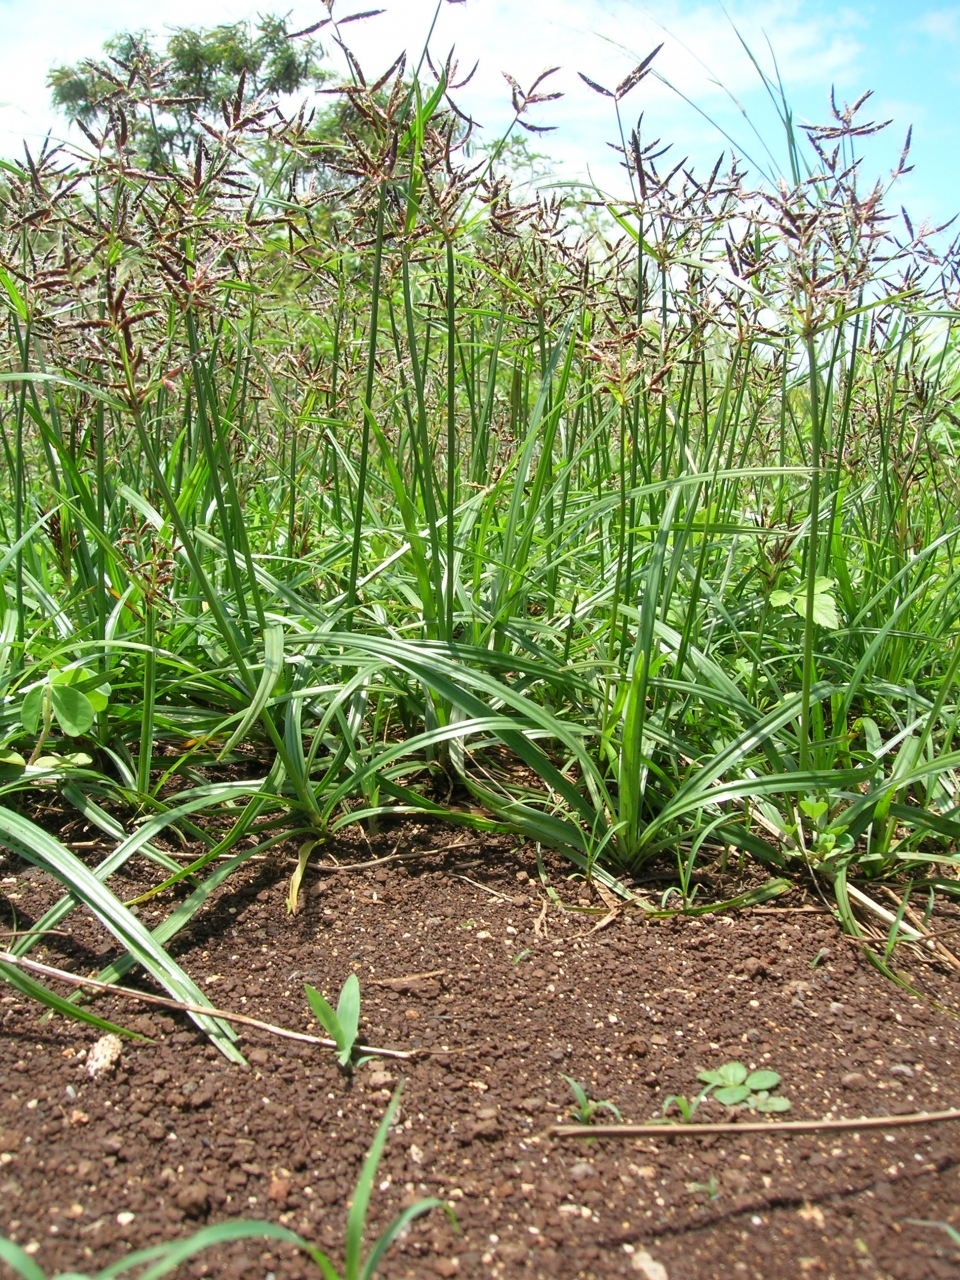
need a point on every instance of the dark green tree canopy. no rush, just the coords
(192, 76)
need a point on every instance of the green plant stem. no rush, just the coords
(367, 409)
(145, 758)
(813, 517)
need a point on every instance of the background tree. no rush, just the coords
(196, 74)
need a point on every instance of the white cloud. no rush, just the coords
(36, 35)
(942, 24)
(603, 38)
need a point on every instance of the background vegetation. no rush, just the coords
(346, 481)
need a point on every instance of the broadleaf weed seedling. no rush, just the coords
(58, 699)
(829, 839)
(733, 1084)
(824, 603)
(585, 1109)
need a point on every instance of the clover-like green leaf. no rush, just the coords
(12, 764)
(731, 1094)
(814, 809)
(99, 697)
(73, 709)
(30, 709)
(758, 1080)
(72, 760)
(731, 1073)
(773, 1103)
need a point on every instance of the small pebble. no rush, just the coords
(647, 1266)
(104, 1056)
(279, 1190)
(194, 1199)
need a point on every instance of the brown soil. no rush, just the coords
(177, 1137)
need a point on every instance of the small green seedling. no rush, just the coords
(585, 1110)
(341, 1026)
(710, 1187)
(814, 809)
(355, 1266)
(829, 839)
(683, 1105)
(166, 1257)
(952, 1232)
(732, 1084)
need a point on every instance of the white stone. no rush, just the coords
(648, 1266)
(104, 1056)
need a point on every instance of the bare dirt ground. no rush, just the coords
(519, 993)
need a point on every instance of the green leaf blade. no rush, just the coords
(40, 848)
(325, 1015)
(357, 1217)
(348, 1012)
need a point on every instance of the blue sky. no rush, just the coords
(907, 54)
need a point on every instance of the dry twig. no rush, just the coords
(752, 1126)
(166, 1002)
